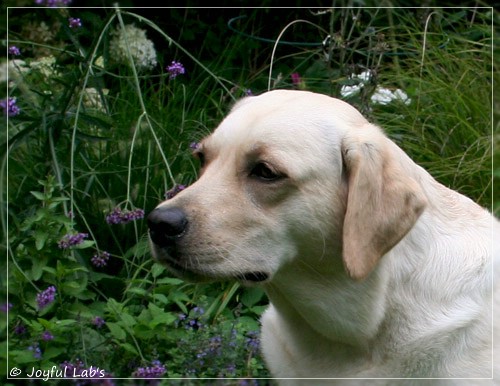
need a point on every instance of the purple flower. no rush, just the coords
(70, 240)
(175, 68)
(118, 216)
(173, 192)
(37, 352)
(194, 145)
(46, 297)
(248, 92)
(9, 107)
(155, 371)
(74, 22)
(53, 3)
(5, 307)
(98, 322)
(20, 329)
(13, 50)
(295, 78)
(100, 259)
(47, 336)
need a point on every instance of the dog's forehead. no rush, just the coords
(289, 119)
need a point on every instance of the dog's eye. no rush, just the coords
(264, 172)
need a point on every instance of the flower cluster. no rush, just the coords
(5, 307)
(118, 216)
(132, 39)
(10, 107)
(98, 322)
(100, 259)
(74, 22)
(70, 240)
(157, 370)
(13, 50)
(47, 335)
(174, 191)
(381, 95)
(175, 69)
(46, 297)
(53, 3)
(37, 352)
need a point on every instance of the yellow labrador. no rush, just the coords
(373, 268)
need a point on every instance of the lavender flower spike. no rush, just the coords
(46, 297)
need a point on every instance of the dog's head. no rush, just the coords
(287, 176)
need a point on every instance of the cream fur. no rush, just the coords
(375, 270)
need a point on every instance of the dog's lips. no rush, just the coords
(195, 275)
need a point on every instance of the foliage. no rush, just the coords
(98, 135)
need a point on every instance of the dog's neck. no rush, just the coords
(349, 312)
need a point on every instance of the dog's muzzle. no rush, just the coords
(167, 228)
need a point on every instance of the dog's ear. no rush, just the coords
(383, 201)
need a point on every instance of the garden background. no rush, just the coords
(102, 106)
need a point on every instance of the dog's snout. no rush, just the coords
(166, 224)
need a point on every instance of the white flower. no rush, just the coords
(92, 98)
(14, 68)
(381, 95)
(385, 96)
(347, 91)
(46, 66)
(141, 48)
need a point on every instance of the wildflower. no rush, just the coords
(46, 297)
(175, 68)
(155, 371)
(10, 107)
(253, 342)
(20, 329)
(70, 240)
(194, 145)
(94, 98)
(53, 3)
(5, 307)
(295, 78)
(117, 216)
(98, 322)
(13, 50)
(385, 96)
(37, 352)
(100, 259)
(74, 22)
(248, 92)
(173, 192)
(132, 39)
(46, 66)
(46, 336)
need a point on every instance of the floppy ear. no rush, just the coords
(383, 202)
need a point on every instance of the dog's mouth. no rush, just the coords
(201, 276)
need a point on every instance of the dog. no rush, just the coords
(373, 269)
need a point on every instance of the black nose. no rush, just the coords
(166, 225)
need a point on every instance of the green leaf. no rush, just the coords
(38, 267)
(117, 331)
(128, 347)
(165, 319)
(157, 270)
(251, 296)
(169, 280)
(161, 298)
(128, 320)
(39, 195)
(40, 239)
